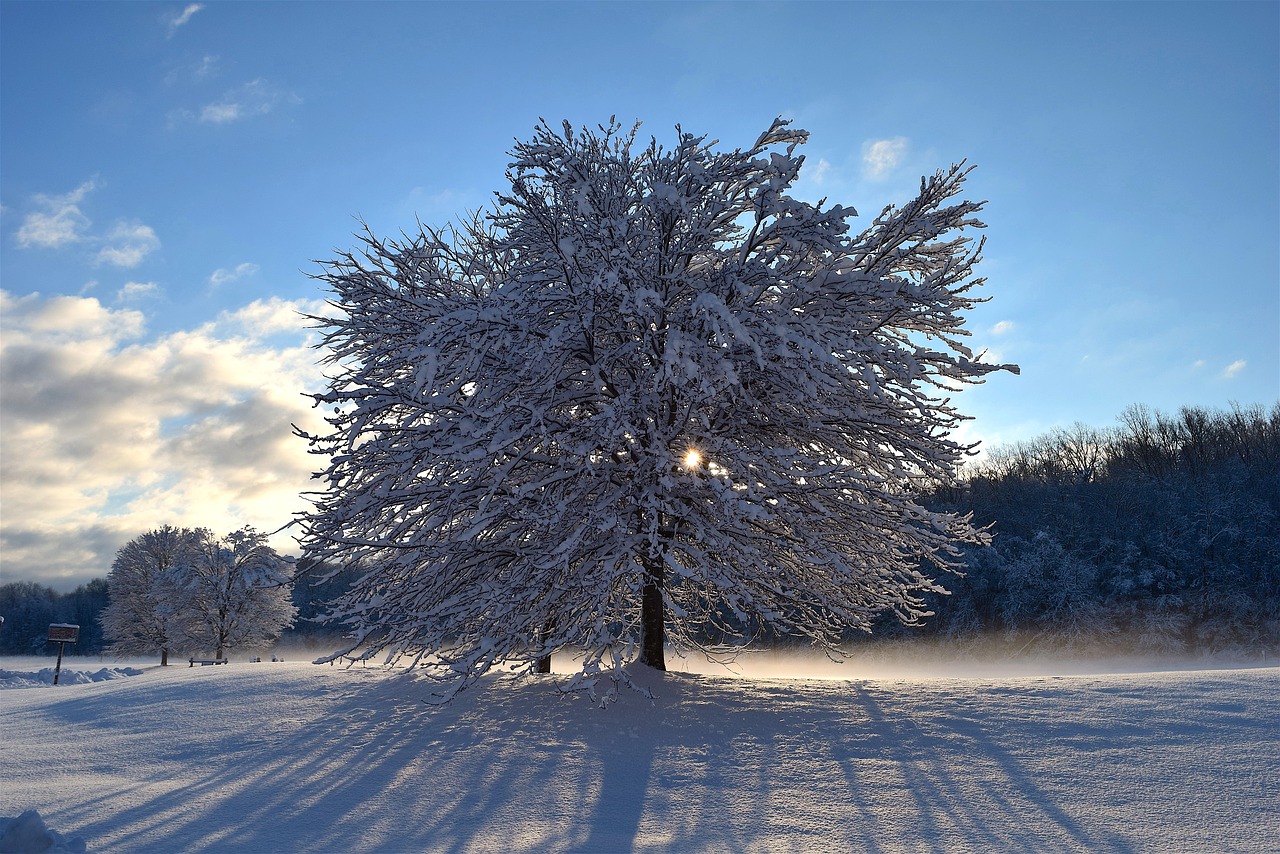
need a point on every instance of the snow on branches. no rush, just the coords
(183, 589)
(648, 396)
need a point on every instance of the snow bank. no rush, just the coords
(41, 678)
(27, 834)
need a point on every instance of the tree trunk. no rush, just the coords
(164, 658)
(652, 615)
(543, 664)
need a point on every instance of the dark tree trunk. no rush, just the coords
(652, 615)
(164, 658)
(223, 632)
(543, 664)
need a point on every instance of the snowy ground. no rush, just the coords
(293, 757)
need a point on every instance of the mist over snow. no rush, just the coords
(302, 757)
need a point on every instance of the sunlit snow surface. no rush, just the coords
(276, 757)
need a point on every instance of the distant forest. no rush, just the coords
(1161, 534)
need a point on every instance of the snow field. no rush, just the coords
(299, 757)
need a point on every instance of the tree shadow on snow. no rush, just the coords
(709, 765)
(962, 783)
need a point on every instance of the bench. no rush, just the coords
(203, 661)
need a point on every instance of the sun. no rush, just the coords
(692, 459)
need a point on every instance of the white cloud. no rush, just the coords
(222, 276)
(59, 221)
(136, 290)
(207, 68)
(180, 18)
(1003, 327)
(193, 70)
(105, 435)
(64, 318)
(819, 172)
(220, 114)
(881, 156)
(1234, 368)
(264, 319)
(129, 243)
(255, 98)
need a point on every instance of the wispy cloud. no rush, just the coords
(820, 172)
(207, 68)
(105, 434)
(1003, 327)
(222, 276)
(1234, 368)
(59, 220)
(221, 114)
(178, 19)
(128, 244)
(818, 178)
(197, 71)
(881, 156)
(134, 291)
(255, 98)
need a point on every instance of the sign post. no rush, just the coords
(62, 634)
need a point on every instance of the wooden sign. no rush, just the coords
(64, 633)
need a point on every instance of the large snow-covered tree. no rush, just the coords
(143, 613)
(648, 392)
(235, 591)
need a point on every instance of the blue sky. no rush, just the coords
(169, 173)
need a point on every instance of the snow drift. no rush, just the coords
(44, 676)
(27, 834)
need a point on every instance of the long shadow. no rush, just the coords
(708, 765)
(342, 779)
(1009, 810)
(623, 789)
(663, 779)
(539, 772)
